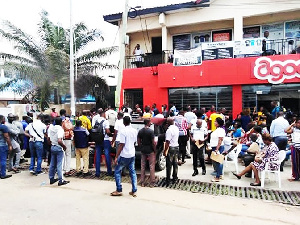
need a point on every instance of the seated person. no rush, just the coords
(236, 131)
(251, 152)
(269, 154)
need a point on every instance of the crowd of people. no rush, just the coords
(207, 135)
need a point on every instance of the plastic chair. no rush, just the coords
(281, 157)
(234, 155)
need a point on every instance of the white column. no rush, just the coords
(122, 53)
(238, 28)
(72, 64)
(164, 32)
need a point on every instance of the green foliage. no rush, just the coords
(45, 62)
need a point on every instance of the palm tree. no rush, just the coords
(45, 62)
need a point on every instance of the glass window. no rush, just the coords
(288, 95)
(221, 97)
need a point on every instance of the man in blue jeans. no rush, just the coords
(5, 145)
(125, 157)
(105, 145)
(36, 133)
(56, 135)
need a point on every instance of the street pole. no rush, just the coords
(71, 65)
(122, 54)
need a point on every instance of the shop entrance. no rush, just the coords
(133, 97)
(288, 96)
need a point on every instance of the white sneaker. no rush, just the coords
(31, 171)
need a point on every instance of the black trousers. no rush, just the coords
(172, 161)
(198, 153)
(182, 141)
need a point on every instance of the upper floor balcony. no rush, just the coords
(263, 48)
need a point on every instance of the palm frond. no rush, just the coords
(16, 58)
(90, 65)
(100, 53)
(23, 42)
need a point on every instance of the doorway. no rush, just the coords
(133, 97)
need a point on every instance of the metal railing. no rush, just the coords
(269, 47)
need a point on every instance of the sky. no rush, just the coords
(25, 13)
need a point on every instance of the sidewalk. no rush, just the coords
(185, 172)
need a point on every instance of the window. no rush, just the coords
(221, 97)
(222, 35)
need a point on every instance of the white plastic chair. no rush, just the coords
(282, 155)
(234, 156)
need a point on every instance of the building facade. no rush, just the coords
(226, 76)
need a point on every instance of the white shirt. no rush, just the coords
(40, 129)
(198, 132)
(172, 135)
(128, 136)
(111, 116)
(214, 137)
(138, 53)
(119, 125)
(54, 133)
(190, 116)
(105, 124)
(278, 126)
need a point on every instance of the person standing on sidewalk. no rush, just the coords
(171, 151)
(36, 132)
(125, 157)
(277, 132)
(5, 146)
(14, 132)
(147, 145)
(198, 137)
(68, 137)
(182, 124)
(56, 135)
(105, 145)
(81, 143)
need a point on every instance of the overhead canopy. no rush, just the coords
(114, 18)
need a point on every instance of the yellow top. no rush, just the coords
(213, 118)
(86, 123)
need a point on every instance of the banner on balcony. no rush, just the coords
(217, 50)
(187, 57)
(248, 48)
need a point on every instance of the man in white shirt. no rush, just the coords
(125, 157)
(198, 136)
(277, 131)
(119, 125)
(56, 135)
(111, 116)
(105, 145)
(171, 150)
(36, 131)
(138, 53)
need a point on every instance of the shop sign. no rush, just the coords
(276, 71)
(217, 50)
(188, 57)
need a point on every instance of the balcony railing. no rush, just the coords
(269, 47)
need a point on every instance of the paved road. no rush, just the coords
(25, 201)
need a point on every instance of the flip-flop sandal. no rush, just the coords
(116, 193)
(133, 194)
(255, 184)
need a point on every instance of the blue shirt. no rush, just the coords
(237, 133)
(3, 129)
(278, 126)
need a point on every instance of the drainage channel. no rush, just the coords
(285, 197)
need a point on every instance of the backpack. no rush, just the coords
(68, 128)
(96, 133)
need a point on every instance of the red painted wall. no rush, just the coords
(225, 72)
